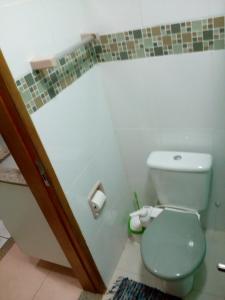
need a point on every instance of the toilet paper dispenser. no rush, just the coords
(97, 199)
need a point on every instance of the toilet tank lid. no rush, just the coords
(180, 161)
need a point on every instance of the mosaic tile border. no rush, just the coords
(184, 37)
(38, 88)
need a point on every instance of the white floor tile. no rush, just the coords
(2, 242)
(3, 231)
(208, 278)
(132, 266)
(130, 260)
(196, 295)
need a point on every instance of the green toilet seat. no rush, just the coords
(173, 246)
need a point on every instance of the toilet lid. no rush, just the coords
(173, 246)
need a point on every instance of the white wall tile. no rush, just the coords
(179, 101)
(123, 93)
(156, 12)
(141, 96)
(75, 127)
(170, 85)
(114, 16)
(77, 114)
(107, 16)
(23, 34)
(65, 21)
(150, 81)
(219, 178)
(36, 29)
(164, 102)
(187, 139)
(106, 235)
(218, 75)
(136, 145)
(76, 130)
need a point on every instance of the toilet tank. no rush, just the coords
(181, 178)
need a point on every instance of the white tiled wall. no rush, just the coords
(149, 104)
(37, 28)
(104, 16)
(170, 103)
(77, 132)
(75, 127)
(174, 102)
(156, 12)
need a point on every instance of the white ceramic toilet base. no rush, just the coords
(179, 288)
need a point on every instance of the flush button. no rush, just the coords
(177, 157)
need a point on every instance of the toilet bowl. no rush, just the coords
(172, 249)
(173, 245)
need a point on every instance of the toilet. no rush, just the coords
(173, 246)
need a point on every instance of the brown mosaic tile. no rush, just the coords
(104, 39)
(38, 102)
(218, 22)
(114, 47)
(130, 45)
(187, 37)
(167, 41)
(38, 88)
(156, 31)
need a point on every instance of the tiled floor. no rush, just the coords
(209, 283)
(4, 234)
(22, 278)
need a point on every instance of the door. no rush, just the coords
(25, 146)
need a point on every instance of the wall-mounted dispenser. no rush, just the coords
(97, 199)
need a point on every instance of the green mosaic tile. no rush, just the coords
(137, 34)
(120, 37)
(123, 55)
(196, 26)
(208, 35)
(39, 87)
(26, 95)
(98, 49)
(198, 46)
(29, 79)
(167, 38)
(62, 61)
(158, 51)
(141, 53)
(52, 93)
(53, 78)
(177, 48)
(107, 57)
(219, 44)
(148, 42)
(175, 28)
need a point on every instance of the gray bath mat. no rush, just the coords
(127, 289)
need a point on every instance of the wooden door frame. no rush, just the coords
(26, 148)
